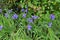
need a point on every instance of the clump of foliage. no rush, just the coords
(29, 20)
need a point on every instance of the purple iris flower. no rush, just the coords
(6, 15)
(34, 17)
(22, 9)
(1, 27)
(52, 16)
(15, 16)
(29, 27)
(26, 10)
(50, 24)
(10, 10)
(0, 10)
(24, 15)
(30, 20)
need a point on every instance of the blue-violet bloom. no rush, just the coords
(26, 10)
(1, 27)
(22, 9)
(52, 16)
(50, 24)
(29, 27)
(15, 16)
(10, 10)
(24, 15)
(6, 15)
(0, 10)
(34, 17)
(30, 20)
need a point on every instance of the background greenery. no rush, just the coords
(17, 29)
